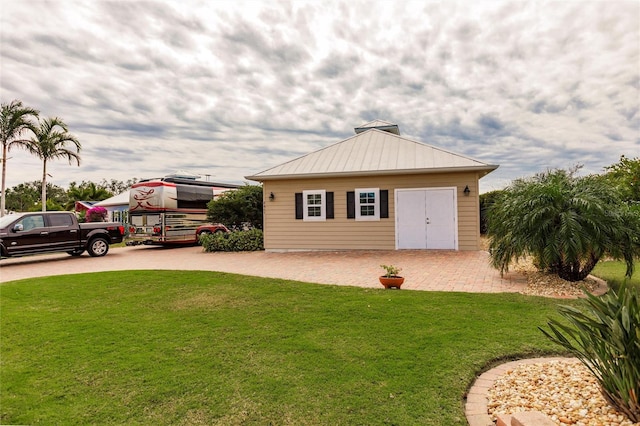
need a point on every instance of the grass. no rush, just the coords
(183, 347)
(613, 272)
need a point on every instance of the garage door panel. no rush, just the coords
(441, 219)
(426, 219)
(411, 220)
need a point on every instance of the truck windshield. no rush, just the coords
(6, 220)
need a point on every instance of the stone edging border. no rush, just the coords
(476, 409)
(603, 287)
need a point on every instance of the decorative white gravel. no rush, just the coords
(566, 391)
(549, 285)
(541, 284)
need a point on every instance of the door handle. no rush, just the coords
(73, 231)
(44, 233)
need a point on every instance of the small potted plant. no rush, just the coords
(391, 279)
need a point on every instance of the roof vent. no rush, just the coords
(181, 174)
(385, 126)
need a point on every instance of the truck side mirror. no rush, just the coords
(18, 227)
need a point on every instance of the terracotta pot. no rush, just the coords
(391, 282)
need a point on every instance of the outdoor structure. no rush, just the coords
(117, 207)
(375, 190)
(83, 206)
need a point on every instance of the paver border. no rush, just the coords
(476, 406)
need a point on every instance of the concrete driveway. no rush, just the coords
(423, 270)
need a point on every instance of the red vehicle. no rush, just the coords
(210, 228)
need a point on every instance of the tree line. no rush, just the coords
(27, 196)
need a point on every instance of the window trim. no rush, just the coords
(376, 204)
(323, 205)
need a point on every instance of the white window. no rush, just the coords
(314, 205)
(367, 203)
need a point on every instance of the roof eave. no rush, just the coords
(484, 170)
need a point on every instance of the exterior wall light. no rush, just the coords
(466, 191)
(272, 197)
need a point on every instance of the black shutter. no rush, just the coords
(351, 205)
(384, 203)
(329, 205)
(299, 205)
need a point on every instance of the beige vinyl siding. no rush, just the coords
(469, 215)
(284, 232)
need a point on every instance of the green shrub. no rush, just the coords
(238, 208)
(565, 222)
(606, 339)
(251, 240)
(96, 214)
(486, 201)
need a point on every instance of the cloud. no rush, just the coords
(230, 89)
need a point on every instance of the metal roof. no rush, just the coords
(374, 152)
(116, 200)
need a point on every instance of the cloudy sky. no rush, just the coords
(231, 88)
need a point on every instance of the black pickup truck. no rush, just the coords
(22, 234)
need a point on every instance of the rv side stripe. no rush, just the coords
(136, 185)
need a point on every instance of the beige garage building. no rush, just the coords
(375, 190)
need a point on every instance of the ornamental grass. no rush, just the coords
(605, 336)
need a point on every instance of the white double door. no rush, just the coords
(426, 218)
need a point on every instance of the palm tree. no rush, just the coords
(565, 223)
(86, 191)
(50, 142)
(14, 120)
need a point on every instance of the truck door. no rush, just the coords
(63, 232)
(32, 237)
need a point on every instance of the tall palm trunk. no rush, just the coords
(4, 176)
(44, 185)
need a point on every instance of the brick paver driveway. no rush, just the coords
(423, 270)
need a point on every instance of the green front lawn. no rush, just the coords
(613, 271)
(165, 347)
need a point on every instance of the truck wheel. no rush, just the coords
(76, 253)
(98, 247)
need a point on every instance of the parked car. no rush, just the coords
(210, 228)
(23, 234)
